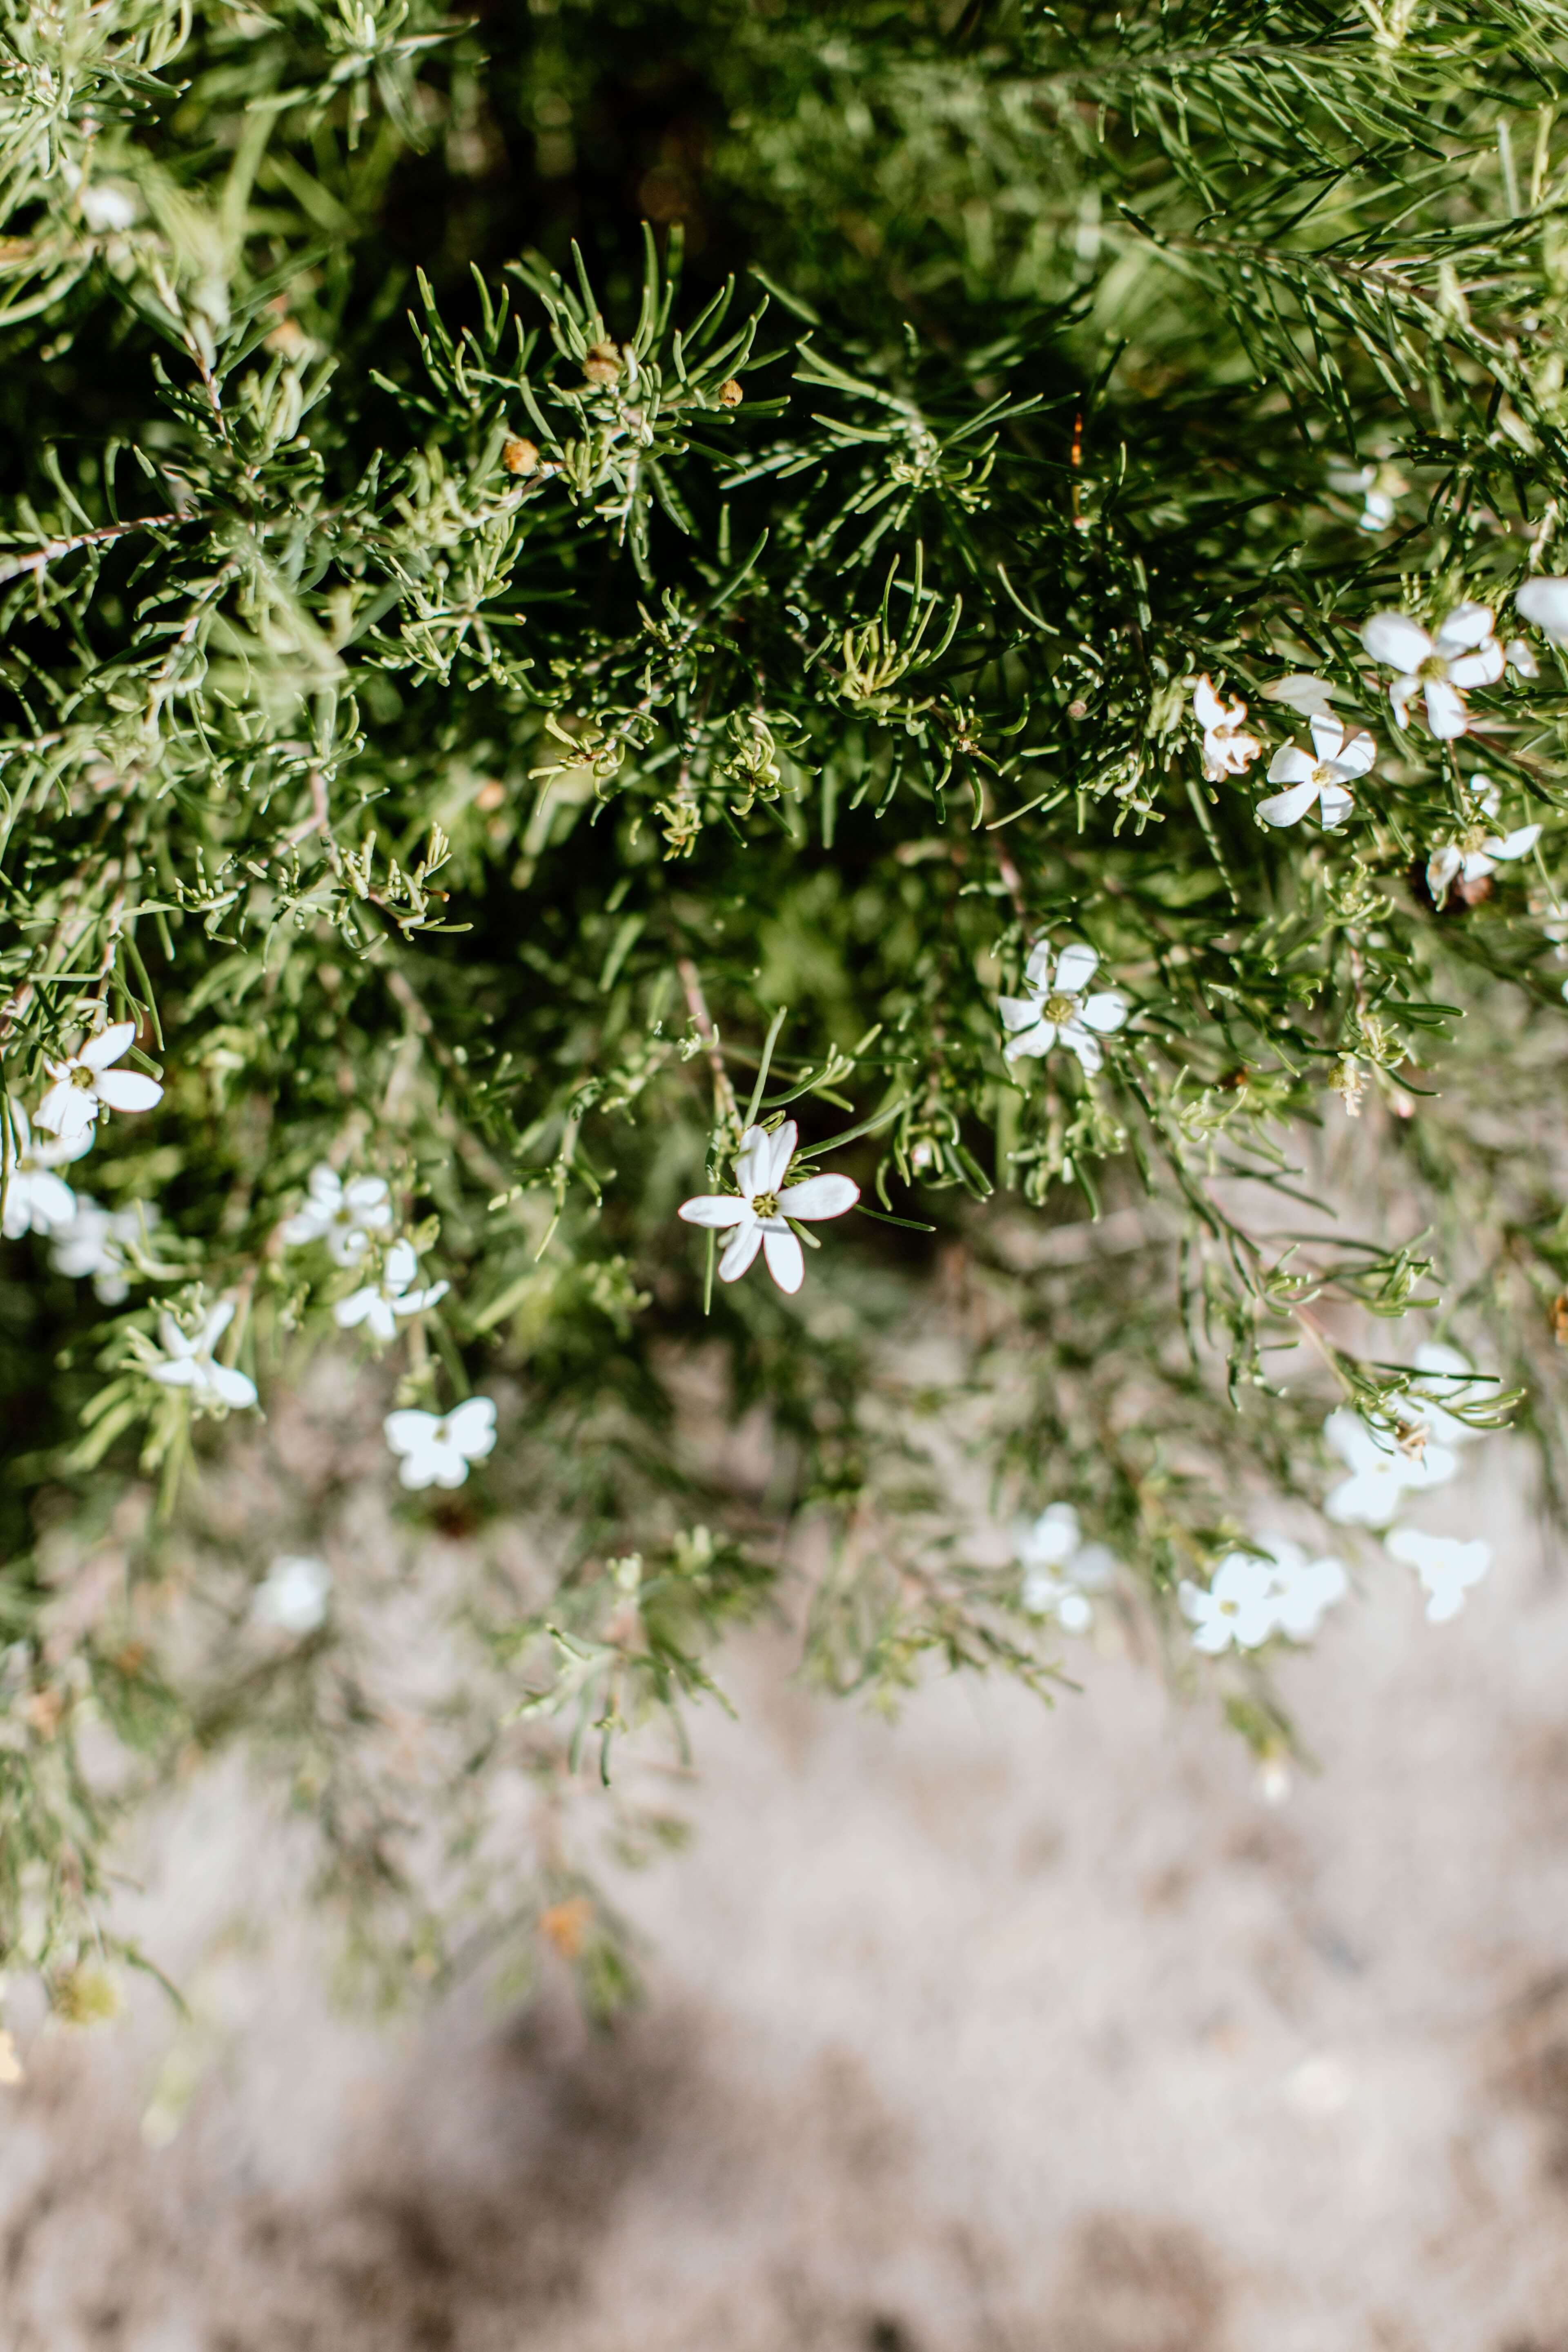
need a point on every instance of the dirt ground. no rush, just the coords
(993, 2031)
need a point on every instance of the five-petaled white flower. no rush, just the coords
(437, 1448)
(1440, 669)
(94, 1241)
(1476, 852)
(293, 1594)
(1060, 1568)
(1545, 604)
(187, 1362)
(1056, 1011)
(1337, 760)
(1301, 1587)
(1447, 1566)
(36, 1199)
(380, 1302)
(85, 1084)
(1238, 1607)
(760, 1216)
(1229, 749)
(1382, 1470)
(342, 1215)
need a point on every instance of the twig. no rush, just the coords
(726, 1111)
(12, 566)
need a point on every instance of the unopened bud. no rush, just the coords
(603, 364)
(520, 455)
(730, 394)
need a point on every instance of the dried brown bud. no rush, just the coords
(489, 796)
(603, 364)
(520, 455)
(1559, 1318)
(730, 394)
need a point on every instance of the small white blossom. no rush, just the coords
(437, 1448)
(1337, 760)
(85, 1084)
(1447, 1567)
(342, 1215)
(1301, 1587)
(187, 1362)
(1520, 659)
(36, 1199)
(379, 1304)
(1238, 1607)
(293, 1594)
(759, 1214)
(1060, 1568)
(1229, 749)
(1376, 485)
(1477, 852)
(93, 1242)
(1382, 1472)
(106, 206)
(1302, 692)
(1440, 669)
(1056, 1011)
(1544, 602)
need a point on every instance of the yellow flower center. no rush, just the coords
(1059, 1007)
(83, 1078)
(764, 1204)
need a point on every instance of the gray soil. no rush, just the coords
(991, 2029)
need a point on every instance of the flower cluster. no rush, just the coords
(1273, 1589)
(1061, 1570)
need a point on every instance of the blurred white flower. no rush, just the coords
(1375, 486)
(437, 1448)
(187, 1362)
(36, 1199)
(1451, 1378)
(1056, 1011)
(85, 1084)
(106, 206)
(1544, 602)
(379, 1304)
(1302, 692)
(759, 1214)
(1060, 1568)
(1477, 850)
(93, 1241)
(1238, 1607)
(1439, 669)
(1336, 761)
(293, 1594)
(1229, 749)
(342, 1215)
(1521, 658)
(1447, 1567)
(1382, 1472)
(1301, 1588)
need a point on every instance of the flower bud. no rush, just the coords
(730, 394)
(520, 455)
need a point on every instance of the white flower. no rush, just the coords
(105, 205)
(1337, 760)
(1369, 483)
(379, 1304)
(187, 1362)
(342, 1215)
(1301, 691)
(1545, 602)
(292, 1596)
(437, 1448)
(1228, 749)
(1250, 1596)
(1453, 1379)
(762, 1213)
(1381, 1471)
(1059, 1567)
(1463, 653)
(1521, 658)
(1056, 1011)
(94, 1241)
(85, 1084)
(1446, 1566)
(1238, 1607)
(1477, 852)
(36, 1199)
(1301, 1588)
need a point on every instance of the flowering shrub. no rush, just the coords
(515, 749)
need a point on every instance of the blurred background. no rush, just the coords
(991, 2029)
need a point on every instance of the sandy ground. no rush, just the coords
(992, 2031)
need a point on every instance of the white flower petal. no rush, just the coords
(1396, 639)
(1289, 808)
(1043, 1037)
(1356, 755)
(753, 1160)
(1075, 967)
(1483, 668)
(717, 1209)
(743, 1246)
(1334, 804)
(108, 1046)
(783, 1147)
(1446, 712)
(1207, 707)
(1292, 765)
(1084, 1043)
(1521, 659)
(67, 1111)
(408, 1430)
(1104, 1011)
(234, 1387)
(819, 1196)
(1545, 602)
(1468, 624)
(1300, 692)
(472, 1427)
(1515, 845)
(179, 1372)
(786, 1259)
(1328, 738)
(128, 1090)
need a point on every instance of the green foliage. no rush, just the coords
(499, 713)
